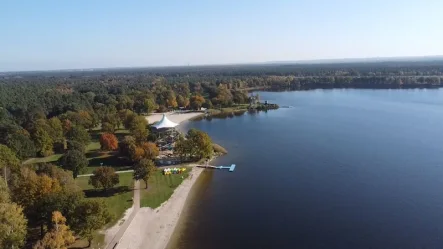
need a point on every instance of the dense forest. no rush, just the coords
(99, 95)
(47, 113)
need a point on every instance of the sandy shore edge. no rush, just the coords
(153, 228)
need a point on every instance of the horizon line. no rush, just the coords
(306, 61)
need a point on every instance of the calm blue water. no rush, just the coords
(342, 169)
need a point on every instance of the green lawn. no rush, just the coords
(160, 188)
(117, 204)
(90, 169)
(47, 159)
(117, 200)
(122, 131)
(93, 146)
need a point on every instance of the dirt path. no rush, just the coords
(122, 230)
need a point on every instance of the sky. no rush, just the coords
(48, 35)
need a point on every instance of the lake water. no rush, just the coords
(341, 169)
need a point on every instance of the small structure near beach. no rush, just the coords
(164, 123)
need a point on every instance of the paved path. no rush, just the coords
(118, 172)
(127, 222)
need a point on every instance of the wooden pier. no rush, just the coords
(231, 168)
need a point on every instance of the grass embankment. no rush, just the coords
(160, 188)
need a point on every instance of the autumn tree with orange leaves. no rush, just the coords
(108, 141)
(59, 237)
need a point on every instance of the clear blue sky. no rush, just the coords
(41, 34)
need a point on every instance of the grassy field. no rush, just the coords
(93, 146)
(160, 188)
(95, 156)
(47, 159)
(117, 200)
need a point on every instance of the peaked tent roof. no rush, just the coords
(164, 123)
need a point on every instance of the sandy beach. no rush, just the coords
(152, 228)
(174, 117)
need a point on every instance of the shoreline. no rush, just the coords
(157, 228)
(194, 195)
(153, 228)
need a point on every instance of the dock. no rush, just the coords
(231, 168)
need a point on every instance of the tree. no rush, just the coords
(224, 96)
(13, 222)
(136, 153)
(137, 126)
(197, 144)
(79, 134)
(207, 104)
(21, 144)
(109, 122)
(66, 125)
(143, 170)
(4, 191)
(240, 97)
(74, 161)
(171, 100)
(197, 101)
(124, 102)
(104, 177)
(182, 147)
(151, 150)
(59, 237)
(182, 101)
(8, 162)
(81, 118)
(108, 141)
(74, 145)
(108, 127)
(91, 215)
(150, 105)
(43, 142)
(65, 200)
(37, 194)
(124, 116)
(12, 226)
(56, 129)
(125, 145)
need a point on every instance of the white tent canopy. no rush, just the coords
(164, 123)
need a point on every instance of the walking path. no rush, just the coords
(118, 172)
(136, 205)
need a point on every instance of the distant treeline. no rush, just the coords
(58, 92)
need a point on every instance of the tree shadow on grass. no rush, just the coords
(95, 134)
(111, 161)
(95, 153)
(92, 193)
